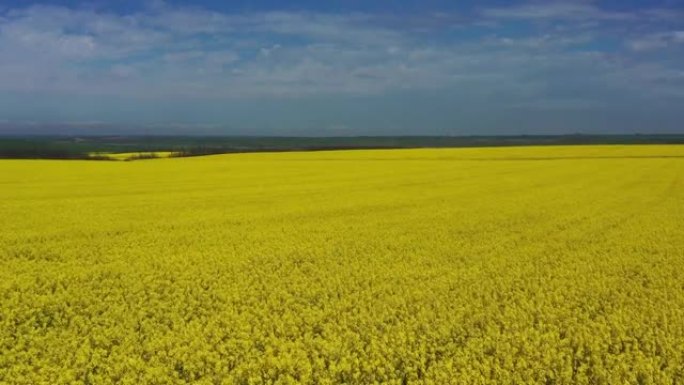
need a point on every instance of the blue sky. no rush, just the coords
(342, 67)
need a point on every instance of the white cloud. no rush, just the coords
(567, 10)
(192, 52)
(266, 51)
(657, 41)
(579, 11)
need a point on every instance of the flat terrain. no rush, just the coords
(84, 147)
(520, 265)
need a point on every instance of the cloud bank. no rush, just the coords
(539, 66)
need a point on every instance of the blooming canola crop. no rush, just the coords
(525, 265)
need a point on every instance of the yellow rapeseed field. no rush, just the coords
(133, 155)
(529, 265)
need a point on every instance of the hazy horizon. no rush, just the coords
(341, 68)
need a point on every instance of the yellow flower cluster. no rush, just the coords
(538, 265)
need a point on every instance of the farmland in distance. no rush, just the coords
(518, 265)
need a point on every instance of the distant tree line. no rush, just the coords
(37, 149)
(90, 147)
